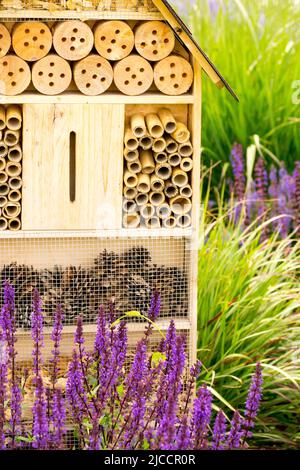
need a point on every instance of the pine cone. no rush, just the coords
(137, 258)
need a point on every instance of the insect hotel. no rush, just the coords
(100, 123)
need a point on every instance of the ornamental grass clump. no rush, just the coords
(110, 400)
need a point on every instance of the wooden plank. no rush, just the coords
(99, 146)
(12, 15)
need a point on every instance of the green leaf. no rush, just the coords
(145, 444)
(120, 390)
(25, 439)
(156, 358)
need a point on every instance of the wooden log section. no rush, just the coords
(5, 40)
(156, 198)
(174, 159)
(13, 117)
(114, 40)
(182, 134)
(186, 191)
(146, 142)
(15, 75)
(130, 179)
(133, 75)
(156, 184)
(130, 193)
(186, 149)
(14, 195)
(15, 183)
(142, 199)
(153, 222)
(134, 167)
(186, 164)
(2, 118)
(159, 145)
(154, 125)
(131, 155)
(73, 39)
(163, 211)
(131, 220)
(93, 75)
(171, 145)
(3, 177)
(163, 171)
(147, 161)
(51, 75)
(130, 141)
(138, 125)
(3, 150)
(167, 119)
(11, 138)
(14, 224)
(183, 221)
(11, 210)
(147, 211)
(15, 154)
(179, 178)
(173, 75)
(13, 169)
(180, 205)
(161, 157)
(169, 222)
(3, 223)
(171, 189)
(143, 185)
(3, 201)
(31, 40)
(129, 206)
(154, 40)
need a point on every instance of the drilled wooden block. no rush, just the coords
(93, 75)
(5, 40)
(31, 40)
(154, 40)
(73, 40)
(15, 75)
(51, 75)
(114, 40)
(133, 75)
(173, 75)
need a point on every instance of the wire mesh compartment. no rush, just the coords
(81, 273)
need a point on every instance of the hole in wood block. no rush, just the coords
(72, 168)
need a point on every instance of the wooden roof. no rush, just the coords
(186, 37)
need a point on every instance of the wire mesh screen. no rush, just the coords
(81, 273)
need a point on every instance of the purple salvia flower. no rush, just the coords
(139, 366)
(79, 339)
(3, 389)
(138, 409)
(238, 168)
(261, 182)
(75, 389)
(297, 198)
(37, 332)
(235, 433)
(58, 419)
(219, 431)
(56, 338)
(40, 422)
(155, 306)
(184, 435)
(94, 437)
(201, 418)
(253, 401)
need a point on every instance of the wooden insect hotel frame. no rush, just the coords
(100, 125)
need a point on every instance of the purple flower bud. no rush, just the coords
(40, 424)
(253, 401)
(201, 418)
(235, 433)
(219, 431)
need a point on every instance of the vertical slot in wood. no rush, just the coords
(72, 166)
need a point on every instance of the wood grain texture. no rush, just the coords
(99, 149)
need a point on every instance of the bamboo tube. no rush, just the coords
(13, 117)
(138, 125)
(146, 142)
(168, 120)
(173, 75)
(114, 39)
(134, 167)
(1, 135)
(15, 154)
(143, 185)
(179, 178)
(13, 169)
(171, 145)
(147, 211)
(153, 222)
(14, 195)
(182, 134)
(186, 191)
(169, 222)
(131, 220)
(5, 40)
(15, 183)
(51, 75)
(171, 190)
(130, 140)
(163, 211)
(31, 40)
(180, 205)
(3, 177)
(156, 183)
(156, 198)
(130, 179)
(183, 221)
(186, 164)
(133, 75)
(130, 193)
(14, 224)
(11, 210)
(163, 171)
(147, 161)
(131, 155)
(11, 138)
(174, 159)
(15, 75)
(4, 189)
(2, 164)
(159, 145)
(73, 39)
(186, 149)
(154, 125)
(3, 150)
(3, 201)
(2, 117)
(129, 206)
(161, 157)
(154, 40)
(3, 223)
(142, 199)
(93, 75)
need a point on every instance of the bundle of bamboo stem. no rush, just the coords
(10, 167)
(157, 183)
